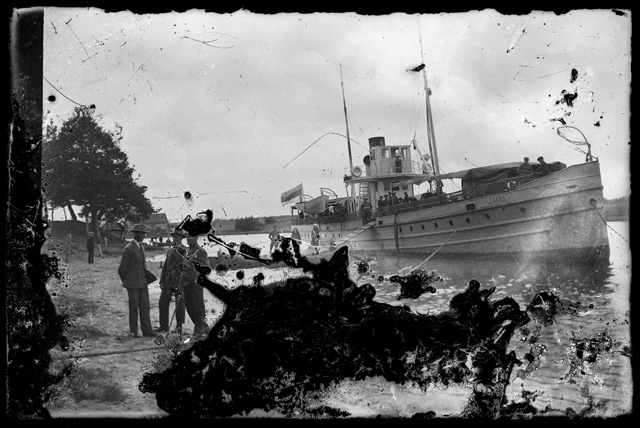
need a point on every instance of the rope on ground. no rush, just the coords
(444, 243)
(97, 354)
(611, 228)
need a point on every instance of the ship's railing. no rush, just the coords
(434, 200)
(321, 219)
(377, 170)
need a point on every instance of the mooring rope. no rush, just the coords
(611, 228)
(444, 243)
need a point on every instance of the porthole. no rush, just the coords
(468, 220)
(436, 225)
(423, 227)
(450, 223)
(400, 230)
(487, 216)
(523, 210)
(411, 228)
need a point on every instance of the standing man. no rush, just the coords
(543, 169)
(91, 245)
(365, 210)
(524, 168)
(172, 269)
(132, 273)
(193, 292)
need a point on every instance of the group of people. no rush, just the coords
(391, 199)
(526, 168)
(178, 280)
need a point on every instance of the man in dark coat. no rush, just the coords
(172, 269)
(193, 292)
(91, 245)
(132, 273)
(543, 168)
(365, 211)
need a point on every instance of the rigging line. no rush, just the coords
(324, 135)
(81, 105)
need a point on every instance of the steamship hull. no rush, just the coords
(560, 216)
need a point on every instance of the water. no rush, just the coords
(608, 382)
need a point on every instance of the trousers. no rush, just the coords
(163, 306)
(193, 295)
(139, 307)
(91, 255)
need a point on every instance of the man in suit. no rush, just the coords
(172, 269)
(91, 245)
(132, 273)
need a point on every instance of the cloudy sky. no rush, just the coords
(218, 104)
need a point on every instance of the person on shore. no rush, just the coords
(315, 238)
(295, 235)
(192, 292)
(273, 236)
(543, 168)
(525, 168)
(132, 273)
(170, 284)
(91, 246)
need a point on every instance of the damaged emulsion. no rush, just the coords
(285, 345)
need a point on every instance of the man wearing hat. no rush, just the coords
(524, 168)
(170, 283)
(132, 273)
(91, 245)
(543, 169)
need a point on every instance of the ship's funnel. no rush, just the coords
(376, 142)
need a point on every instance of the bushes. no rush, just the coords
(247, 224)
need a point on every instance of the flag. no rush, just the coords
(291, 194)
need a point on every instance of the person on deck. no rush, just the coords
(406, 198)
(91, 245)
(396, 200)
(398, 164)
(525, 168)
(365, 211)
(543, 168)
(381, 203)
(170, 284)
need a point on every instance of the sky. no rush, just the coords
(225, 105)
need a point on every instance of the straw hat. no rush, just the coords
(138, 228)
(540, 158)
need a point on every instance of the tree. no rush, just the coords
(84, 165)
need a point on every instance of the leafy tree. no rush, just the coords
(247, 224)
(84, 165)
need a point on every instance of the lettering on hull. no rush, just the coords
(496, 199)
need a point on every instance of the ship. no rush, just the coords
(551, 213)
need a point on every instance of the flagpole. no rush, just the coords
(346, 120)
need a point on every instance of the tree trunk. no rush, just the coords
(71, 212)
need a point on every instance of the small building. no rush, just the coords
(155, 222)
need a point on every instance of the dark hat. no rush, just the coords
(178, 232)
(526, 158)
(138, 228)
(540, 158)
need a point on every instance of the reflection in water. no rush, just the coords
(606, 382)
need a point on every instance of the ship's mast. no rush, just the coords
(346, 121)
(431, 137)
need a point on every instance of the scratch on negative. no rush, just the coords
(207, 42)
(79, 41)
(542, 77)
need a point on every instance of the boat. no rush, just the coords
(499, 211)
